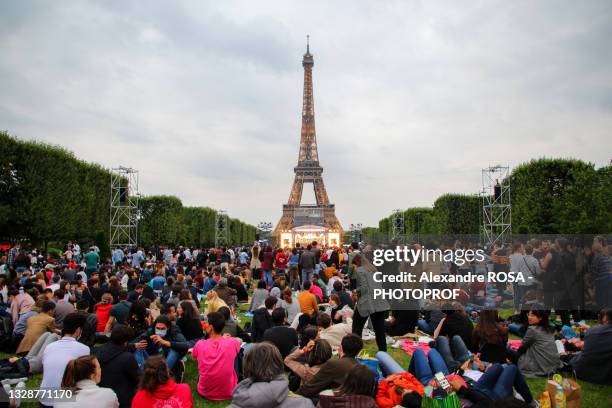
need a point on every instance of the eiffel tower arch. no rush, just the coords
(302, 222)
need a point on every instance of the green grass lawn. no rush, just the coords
(593, 396)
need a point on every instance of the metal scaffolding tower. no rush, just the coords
(221, 228)
(356, 232)
(397, 226)
(496, 205)
(264, 230)
(124, 200)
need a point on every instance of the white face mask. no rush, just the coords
(161, 333)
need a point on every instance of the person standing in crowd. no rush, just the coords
(215, 356)
(367, 306)
(307, 264)
(82, 375)
(119, 367)
(267, 264)
(91, 260)
(601, 269)
(255, 265)
(158, 389)
(57, 355)
(522, 261)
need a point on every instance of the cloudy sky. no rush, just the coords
(412, 98)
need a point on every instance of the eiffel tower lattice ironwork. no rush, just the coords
(308, 170)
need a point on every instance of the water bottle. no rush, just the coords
(559, 397)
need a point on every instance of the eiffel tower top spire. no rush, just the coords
(309, 155)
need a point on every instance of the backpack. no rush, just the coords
(6, 332)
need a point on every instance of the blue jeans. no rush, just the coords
(457, 356)
(516, 329)
(306, 275)
(424, 367)
(424, 326)
(268, 278)
(171, 359)
(497, 383)
(387, 364)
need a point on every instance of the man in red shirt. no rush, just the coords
(280, 261)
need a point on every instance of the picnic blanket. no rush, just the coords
(410, 345)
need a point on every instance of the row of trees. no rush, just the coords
(548, 196)
(166, 222)
(47, 194)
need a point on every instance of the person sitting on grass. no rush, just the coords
(538, 354)
(158, 389)
(594, 362)
(82, 375)
(119, 367)
(315, 354)
(163, 338)
(265, 384)
(281, 335)
(332, 373)
(357, 391)
(215, 357)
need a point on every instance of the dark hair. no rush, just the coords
(323, 320)
(320, 353)
(351, 345)
(544, 319)
(306, 285)
(226, 312)
(270, 302)
(139, 310)
(488, 328)
(338, 286)
(59, 293)
(121, 334)
(261, 284)
(216, 321)
(166, 307)
(607, 313)
(308, 333)
(155, 373)
(72, 322)
(360, 380)
(163, 319)
(123, 295)
(81, 368)
(278, 316)
(263, 362)
(47, 306)
(82, 304)
(189, 310)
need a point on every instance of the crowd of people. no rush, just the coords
(280, 326)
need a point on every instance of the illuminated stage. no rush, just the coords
(305, 234)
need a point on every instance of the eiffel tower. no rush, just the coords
(297, 218)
